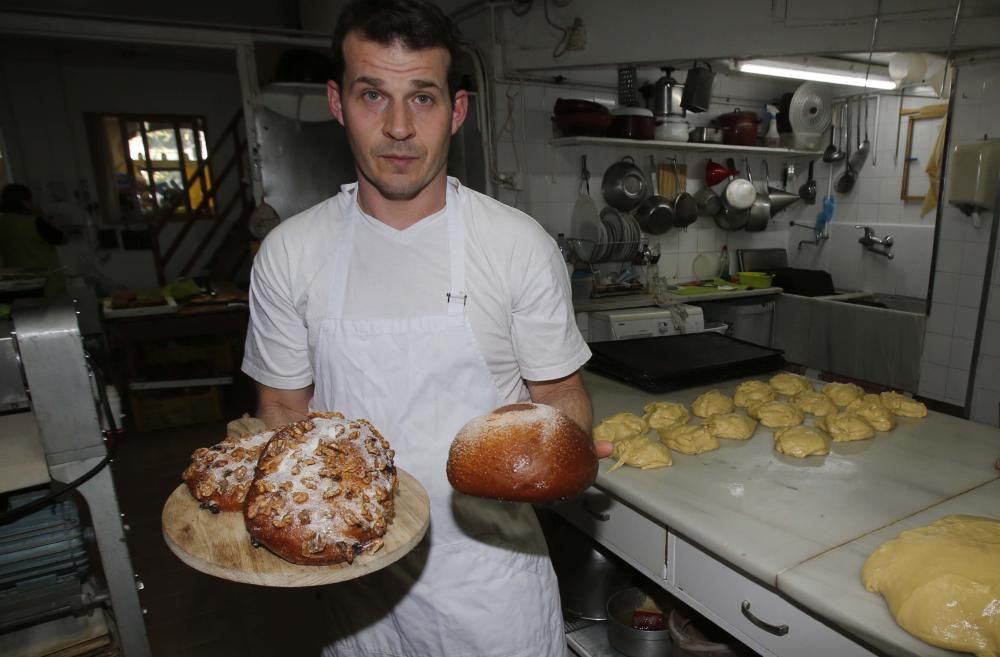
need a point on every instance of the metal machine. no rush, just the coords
(50, 434)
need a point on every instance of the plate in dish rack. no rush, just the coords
(219, 545)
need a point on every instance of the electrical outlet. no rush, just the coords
(577, 39)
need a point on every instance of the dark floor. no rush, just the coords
(191, 614)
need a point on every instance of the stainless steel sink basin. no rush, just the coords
(885, 301)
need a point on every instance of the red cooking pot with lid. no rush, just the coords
(739, 128)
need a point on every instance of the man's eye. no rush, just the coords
(371, 95)
(424, 99)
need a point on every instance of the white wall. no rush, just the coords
(49, 90)
(259, 13)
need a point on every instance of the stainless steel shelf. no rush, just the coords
(592, 641)
(678, 145)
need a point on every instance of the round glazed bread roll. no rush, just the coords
(871, 409)
(776, 414)
(732, 426)
(662, 415)
(814, 403)
(522, 453)
(801, 441)
(845, 426)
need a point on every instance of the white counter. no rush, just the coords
(767, 514)
(643, 300)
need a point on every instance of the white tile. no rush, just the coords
(970, 291)
(993, 307)
(889, 189)
(945, 287)
(937, 348)
(966, 323)
(949, 256)
(985, 407)
(955, 388)
(867, 213)
(990, 344)
(868, 190)
(988, 372)
(961, 352)
(889, 213)
(953, 225)
(933, 379)
(687, 240)
(974, 255)
(942, 319)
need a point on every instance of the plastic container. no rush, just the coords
(755, 279)
(632, 642)
(694, 636)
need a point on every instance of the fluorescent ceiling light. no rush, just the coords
(816, 75)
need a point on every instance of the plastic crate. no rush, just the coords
(162, 409)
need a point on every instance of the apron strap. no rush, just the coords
(342, 249)
(457, 296)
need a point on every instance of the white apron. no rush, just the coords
(481, 584)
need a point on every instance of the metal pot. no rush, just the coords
(630, 641)
(685, 205)
(709, 203)
(705, 135)
(697, 94)
(739, 128)
(624, 185)
(734, 217)
(760, 211)
(665, 95)
(655, 214)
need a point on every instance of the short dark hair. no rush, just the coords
(415, 24)
(15, 198)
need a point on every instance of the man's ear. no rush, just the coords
(334, 100)
(459, 110)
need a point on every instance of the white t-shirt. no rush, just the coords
(518, 291)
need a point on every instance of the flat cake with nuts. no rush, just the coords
(324, 491)
(220, 476)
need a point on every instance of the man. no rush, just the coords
(419, 304)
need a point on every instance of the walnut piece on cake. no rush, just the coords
(220, 476)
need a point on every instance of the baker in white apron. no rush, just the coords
(481, 584)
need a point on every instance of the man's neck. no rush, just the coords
(401, 214)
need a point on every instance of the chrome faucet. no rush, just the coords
(818, 236)
(879, 245)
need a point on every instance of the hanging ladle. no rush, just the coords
(833, 152)
(807, 192)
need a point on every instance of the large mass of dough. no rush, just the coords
(619, 427)
(790, 384)
(663, 415)
(801, 441)
(712, 403)
(871, 409)
(775, 414)
(942, 582)
(689, 439)
(842, 394)
(641, 452)
(845, 426)
(734, 426)
(903, 405)
(753, 392)
(814, 403)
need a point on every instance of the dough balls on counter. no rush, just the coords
(522, 453)
(903, 405)
(732, 426)
(942, 582)
(845, 426)
(712, 403)
(871, 409)
(801, 441)
(842, 394)
(689, 439)
(814, 403)
(662, 415)
(776, 414)
(641, 452)
(753, 392)
(790, 384)
(620, 426)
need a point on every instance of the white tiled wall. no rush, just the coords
(963, 251)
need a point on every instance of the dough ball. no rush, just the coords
(775, 414)
(814, 403)
(689, 439)
(522, 453)
(942, 582)
(753, 392)
(903, 405)
(712, 403)
(641, 452)
(663, 415)
(734, 426)
(845, 426)
(801, 441)
(790, 384)
(871, 409)
(619, 427)
(842, 394)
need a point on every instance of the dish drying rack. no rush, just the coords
(637, 252)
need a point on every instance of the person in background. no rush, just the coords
(418, 304)
(28, 241)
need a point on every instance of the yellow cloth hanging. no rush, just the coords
(934, 171)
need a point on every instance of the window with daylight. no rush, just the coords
(149, 166)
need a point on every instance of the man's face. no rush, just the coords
(399, 119)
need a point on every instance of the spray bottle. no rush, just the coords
(772, 139)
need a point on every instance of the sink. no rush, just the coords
(886, 301)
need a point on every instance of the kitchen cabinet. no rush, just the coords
(789, 536)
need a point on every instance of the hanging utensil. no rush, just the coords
(878, 107)
(760, 210)
(807, 192)
(656, 213)
(624, 185)
(731, 218)
(864, 148)
(845, 183)
(585, 218)
(779, 198)
(716, 173)
(685, 205)
(833, 152)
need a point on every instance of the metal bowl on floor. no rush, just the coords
(632, 642)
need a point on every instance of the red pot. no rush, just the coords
(739, 128)
(632, 123)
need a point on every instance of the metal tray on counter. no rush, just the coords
(682, 361)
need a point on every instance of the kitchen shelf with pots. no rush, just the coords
(679, 145)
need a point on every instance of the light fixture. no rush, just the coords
(830, 75)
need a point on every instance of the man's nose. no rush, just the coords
(398, 122)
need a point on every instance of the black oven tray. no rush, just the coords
(682, 361)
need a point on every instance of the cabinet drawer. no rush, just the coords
(739, 601)
(637, 539)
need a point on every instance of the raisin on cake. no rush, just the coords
(220, 476)
(324, 491)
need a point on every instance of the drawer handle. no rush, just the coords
(603, 516)
(777, 630)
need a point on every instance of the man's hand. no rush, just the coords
(277, 407)
(570, 396)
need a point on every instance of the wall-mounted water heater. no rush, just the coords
(972, 173)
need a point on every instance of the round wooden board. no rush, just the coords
(219, 545)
